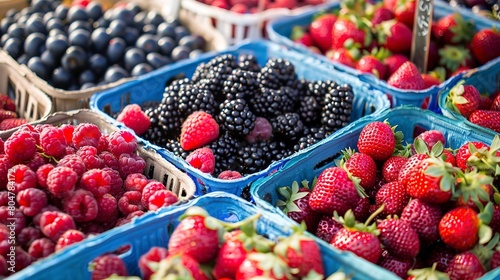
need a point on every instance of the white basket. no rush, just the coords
(31, 103)
(235, 27)
(65, 100)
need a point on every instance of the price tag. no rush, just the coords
(422, 33)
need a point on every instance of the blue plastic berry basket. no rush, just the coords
(486, 80)
(155, 229)
(151, 87)
(279, 31)
(409, 119)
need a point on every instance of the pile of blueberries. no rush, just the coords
(78, 47)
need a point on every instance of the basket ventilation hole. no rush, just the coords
(326, 161)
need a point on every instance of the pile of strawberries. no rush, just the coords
(64, 183)
(414, 209)
(8, 116)
(252, 6)
(483, 110)
(204, 247)
(376, 39)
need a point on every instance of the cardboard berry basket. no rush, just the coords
(151, 88)
(409, 119)
(64, 100)
(31, 103)
(487, 82)
(155, 230)
(280, 30)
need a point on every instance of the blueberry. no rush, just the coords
(23, 19)
(124, 14)
(133, 7)
(61, 78)
(61, 12)
(5, 23)
(94, 9)
(16, 30)
(102, 22)
(87, 76)
(154, 18)
(115, 73)
(50, 60)
(33, 44)
(140, 19)
(131, 36)
(98, 63)
(41, 5)
(147, 43)
(11, 13)
(57, 44)
(77, 13)
(87, 85)
(55, 23)
(23, 59)
(116, 50)
(36, 65)
(149, 29)
(116, 28)
(48, 16)
(100, 39)
(4, 39)
(157, 60)
(166, 45)
(141, 69)
(174, 21)
(79, 37)
(13, 46)
(180, 53)
(75, 59)
(191, 41)
(195, 53)
(55, 32)
(181, 32)
(79, 24)
(166, 30)
(133, 57)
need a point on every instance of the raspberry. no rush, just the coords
(116, 182)
(155, 255)
(41, 248)
(4, 240)
(12, 123)
(86, 134)
(36, 219)
(61, 180)
(68, 130)
(107, 265)
(23, 259)
(197, 130)
(92, 228)
(161, 198)
(53, 224)
(130, 202)
(103, 144)
(149, 190)
(109, 160)
(3, 267)
(69, 237)
(74, 162)
(1, 146)
(53, 142)
(27, 236)
(108, 208)
(202, 159)
(37, 161)
(135, 182)
(6, 218)
(129, 164)
(261, 131)
(5, 114)
(5, 165)
(82, 206)
(122, 142)
(129, 218)
(90, 158)
(31, 201)
(4, 198)
(133, 117)
(97, 181)
(21, 177)
(42, 173)
(20, 146)
(229, 175)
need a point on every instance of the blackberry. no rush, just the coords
(270, 103)
(319, 89)
(202, 71)
(224, 149)
(278, 72)
(240, 84)
(192, 99)
(149, 104)
(279, 150)
(173, 89)
(155, 134)
(309, 110)
(252, 158)
(174, 146)
(288, 127)
(248, 62)
(199, 73)
(235, 117)
(166, 119)
(311, 136)
(336, 112)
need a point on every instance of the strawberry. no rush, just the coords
(380, 14)
(392, 166)
(398, 266)
(424, 218)
(372, 63)
(399, 238)
(441, 254)
(350, 27)
(454, 58)
(394, 36)
(430, 138)
(394, 196)
(495, 103)
(197, 130)
(379, 140)
(12, 123)
(327, 228)
(334, 191)
(463, 99)
(196, 227)
(181, 265)
(361, 166)
(394, 61)
(299, 35)
(6, 114)
(465, 265)
(474, 189)
(461, 228)
(263, 264)
(362, 209)
(407, 169)
(301, 253)
(321, 31)
(296, 205)
(154, 255)
(407, 77)
(485, 118)
(495, 260)
(484, 45)
(453, 29)
(345, 55)
(449, 157)
(480, 156)
(404, 11)
(434, 77)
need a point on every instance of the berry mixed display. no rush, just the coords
(255, 6)
(247, 115)
(415, 209)
(65, 183)
(83, 46)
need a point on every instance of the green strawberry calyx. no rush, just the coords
(463, 31)
(452, 57)
(170, 267)
(438, 168)
(293, 241)
(398, 135)
(291, 195)
(485, 159)
(349, 221)
(428, 273)
(439, 73)
(252, 240)
(340, 275)
(297, 33)
(383, 30)
(484, 252)
(485, 216)
(455, 97)
(470, 186)
(272, 265)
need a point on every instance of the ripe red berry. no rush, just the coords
(161, 198)
(12, 123)
(135, 182)
(61, 180)
(54, 224)
(27, 236)
(31, 201)
(129, 164)
(130, 202)
(90, 157)
(53, 142)
(121, 142)
(6, 217)
(21, 177)
(202, 159)
(229, 175)
(42, 173)
(74, 162)
(96, 181)
(41, 248)
(107, 265)
(69, 237)
(198, 129)
(107, 208)
(81, 205)
(20, 146)
(149, 190)
(109, 160)
(135, 118)
(154, 255)
(116, 183)
(86, 134)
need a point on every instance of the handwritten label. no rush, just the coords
(422, 33)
